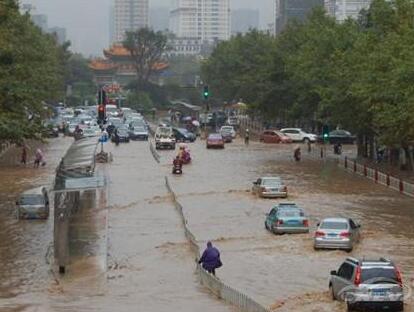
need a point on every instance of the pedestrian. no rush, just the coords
(23, 159)
(39, 158)
(297, 153)
(210, 259)
(247, 137)
(309, 143)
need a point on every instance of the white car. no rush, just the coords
(298, 135)
(228, 129)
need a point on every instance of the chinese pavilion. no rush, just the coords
(117, 67)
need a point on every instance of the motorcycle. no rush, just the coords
(177, 169)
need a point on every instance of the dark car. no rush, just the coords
(183, 135)
(120, 135)
(339, 136)
(138, 133)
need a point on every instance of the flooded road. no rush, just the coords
(129, 252)
(283, 271)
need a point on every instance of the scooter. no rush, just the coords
(177, 169)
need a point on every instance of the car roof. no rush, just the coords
(263, 178)
(343, 220)
(34, 191)
(291, 129)
(380, 262)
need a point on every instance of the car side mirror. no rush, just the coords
(17, 203)
(358, 226)
(333, 273)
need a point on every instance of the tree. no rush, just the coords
(147, 48)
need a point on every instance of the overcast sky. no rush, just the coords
(87, 25)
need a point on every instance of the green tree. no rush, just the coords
(147, 48)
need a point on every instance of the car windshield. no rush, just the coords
(378, 274)
(32, 200)
(139, 129)
(226, 128)
(215, 136)
(332, 225)
(271, 182)
(290, 213)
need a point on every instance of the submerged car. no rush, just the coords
(138, 133)
(274, 136)
(33, 204)
(164, 138)
(287, 218)
(368, 284)
(336, 233)
(215, 140)
(270, 187)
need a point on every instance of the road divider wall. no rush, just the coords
(212, 283)
(154, 152)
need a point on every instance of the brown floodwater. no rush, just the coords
(129, 252)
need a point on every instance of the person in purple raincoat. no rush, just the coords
(210, 259)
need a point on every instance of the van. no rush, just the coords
(33, 204)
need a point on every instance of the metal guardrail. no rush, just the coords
(351, 165)
(212, 283)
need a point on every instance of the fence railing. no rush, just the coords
(212, 283)
(374, 174)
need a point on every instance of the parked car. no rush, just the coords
(287, 218)
(336, 233)
(164, 138)
(215, 140)
(274, 136)
(183, 135)
(298, 135)
(374, 284)
(121, 134)
(33, 204)
(339, 136)
(138, 133)
(270, 187)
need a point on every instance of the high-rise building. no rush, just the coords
(205, 20)
(342, 9)
(40, 20)
(129, 15)
(287, 10)
(244, 19)
(158, 18)
(59, 33)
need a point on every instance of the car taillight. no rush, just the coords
(305, 222)
(319, 234)
(398, 275)
(284, 189)
(263, 189)
(279, 222)
(345, 234)
(357, 280)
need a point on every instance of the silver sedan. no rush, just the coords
(337, 233)
(270, 187)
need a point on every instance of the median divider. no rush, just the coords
(154, 152)
(212, 283)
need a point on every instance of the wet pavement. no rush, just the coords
(284, 271)
(128, 247)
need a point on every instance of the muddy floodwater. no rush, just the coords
(129, 252)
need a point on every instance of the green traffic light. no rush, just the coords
(325, 135)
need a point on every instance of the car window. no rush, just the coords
(273, 212)
(373, 274)
(32, 200)
(346, 271)
(331, 225)
(259, 181)
(290, 213)
(271, 182)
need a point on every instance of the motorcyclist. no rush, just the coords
(338, 148)
(246, 137)
(177, 164)
(297, 153)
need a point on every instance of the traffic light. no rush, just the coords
(102, 97)
(206, 93)
(325, 133)
(101, 112)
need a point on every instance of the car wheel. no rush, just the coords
(349, 250)
(306, 140)
(266, 226)
(332, 292)
(349, 307)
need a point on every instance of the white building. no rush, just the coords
(203, 20)
(129, 15)
(342, 9)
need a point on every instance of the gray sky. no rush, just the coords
(86, 21)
